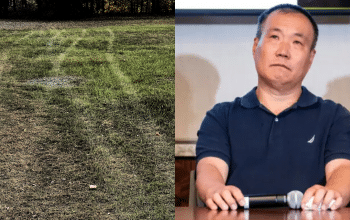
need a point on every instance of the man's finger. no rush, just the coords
(220, 202)
(318, 200)
(230, 201)
(331, 204)
(338, 203)
(309, 193)
(327, 199)
(210, 203)
(238, 195)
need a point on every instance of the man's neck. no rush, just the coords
(277, 100)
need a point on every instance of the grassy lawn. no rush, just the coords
(88, 106)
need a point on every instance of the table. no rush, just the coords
(189, 213)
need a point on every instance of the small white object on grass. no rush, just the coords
(93, 186)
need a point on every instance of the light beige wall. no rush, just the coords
(338, 90)
(214, 63)
(196, 83)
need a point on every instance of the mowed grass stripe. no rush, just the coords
(118, 172)
(143, 154)
(150, 150)
(139, 156)
(124, 80)
(57, 63)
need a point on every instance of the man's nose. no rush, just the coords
(283, 50)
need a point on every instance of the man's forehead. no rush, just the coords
(276, 24)
(276, 29)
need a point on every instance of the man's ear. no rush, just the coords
(255, 45)
(312, 56)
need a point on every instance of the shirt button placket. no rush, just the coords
(276, 119)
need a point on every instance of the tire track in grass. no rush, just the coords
(58, 32)
(124, 80)
(116, 168)
(57, 63)
(160, 163)
(56, 69)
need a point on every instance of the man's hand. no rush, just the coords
(211, 178)
(322, 196)
(224, 197)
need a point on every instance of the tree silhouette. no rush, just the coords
(71, 9)
(4, 4)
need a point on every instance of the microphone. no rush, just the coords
(293, 199)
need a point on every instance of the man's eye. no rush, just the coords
(297, 42)
(274, 36)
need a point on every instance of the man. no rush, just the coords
(279, 137)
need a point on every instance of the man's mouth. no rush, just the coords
(281, 66)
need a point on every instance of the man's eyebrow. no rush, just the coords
(279, 30)
(275, 29)
(299, 35)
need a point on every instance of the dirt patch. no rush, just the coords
(57, 82)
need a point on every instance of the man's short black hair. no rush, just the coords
(287, 8)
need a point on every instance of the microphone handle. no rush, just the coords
(265, 201)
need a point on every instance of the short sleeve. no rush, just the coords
(338, 142)
(213, 139)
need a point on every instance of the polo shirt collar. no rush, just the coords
(250, 100)
(307, 98)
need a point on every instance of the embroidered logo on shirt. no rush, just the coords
(311, 140)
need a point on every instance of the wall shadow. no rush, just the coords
(338, 91)
(196, 84)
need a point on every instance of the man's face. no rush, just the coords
(282, 55)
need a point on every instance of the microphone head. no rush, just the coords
(294, 199)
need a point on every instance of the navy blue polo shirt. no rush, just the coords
(269, 154)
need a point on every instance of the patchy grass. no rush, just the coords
(114, 129)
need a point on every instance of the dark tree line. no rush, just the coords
(85, 8)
